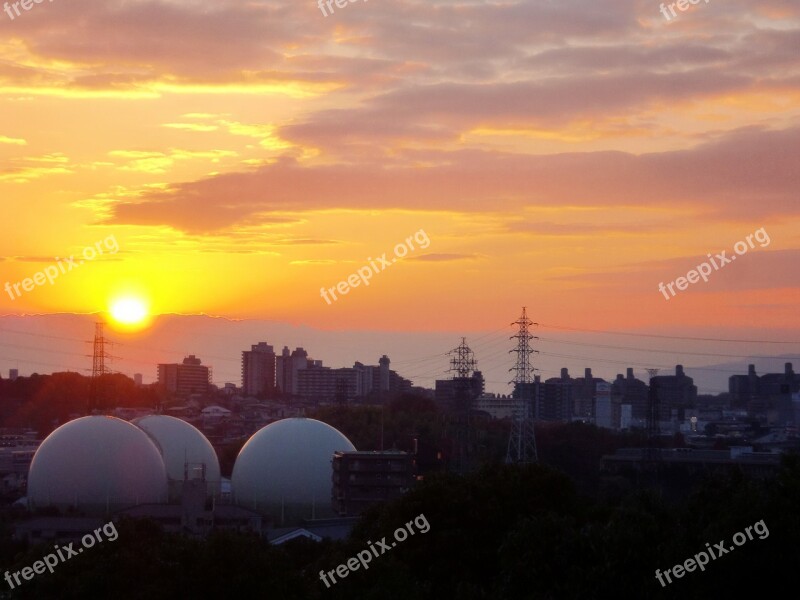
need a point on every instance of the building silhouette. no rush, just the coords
(676, 393)
(447, 390)
(555, 400)
(287, 366)
(258, 370)
(186, 378)
(633, 392)
(767, 398)
(363, 479)
(317, 382)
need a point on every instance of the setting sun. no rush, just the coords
(129, 312)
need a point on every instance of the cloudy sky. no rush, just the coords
(568, 155)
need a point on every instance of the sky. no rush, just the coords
(569, 156)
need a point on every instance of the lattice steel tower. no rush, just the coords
(463, 367)
(463, 362)
(522, 441)
(99, 356)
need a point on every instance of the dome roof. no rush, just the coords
(180, 443)
(288, 461)
(97, 462)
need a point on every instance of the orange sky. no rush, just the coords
(565, 155)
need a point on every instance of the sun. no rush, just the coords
(129, 312)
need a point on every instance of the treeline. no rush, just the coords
(573, 448)
(43, 402)
(498, 534)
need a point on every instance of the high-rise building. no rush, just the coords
(768, 397)
(553, 401)
(744, 388)
(606, 408)
(258, 370)
(447, 389)
(383, 373)
(585, 394)
(325, 384)
(287, 366)
(780, 384)
(631, 391)
(675, 393)
(377, 379)
(189, 377)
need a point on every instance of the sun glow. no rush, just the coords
(129, 312)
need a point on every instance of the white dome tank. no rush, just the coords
(181, 443)
(97, 463)
(287, 463)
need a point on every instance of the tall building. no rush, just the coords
(584, 392)
(744, 388)
(189, 377)
(553, 402)
(768, 397)
(446, 390)
(555, 398)
(258, 370)
(631, 391)
(606, 407)
(779, 384)
(359, 381)
(287, 365)
(325, 384)
(675, 393)
(377, 379)
(384, 374)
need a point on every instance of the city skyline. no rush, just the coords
(221, 343)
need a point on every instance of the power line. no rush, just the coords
(127, 345)
(681, 352)
(669, 337)
(635, 364)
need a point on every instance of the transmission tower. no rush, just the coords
(463, 367)
(463, 362)
(522, 441)
(99, 356)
